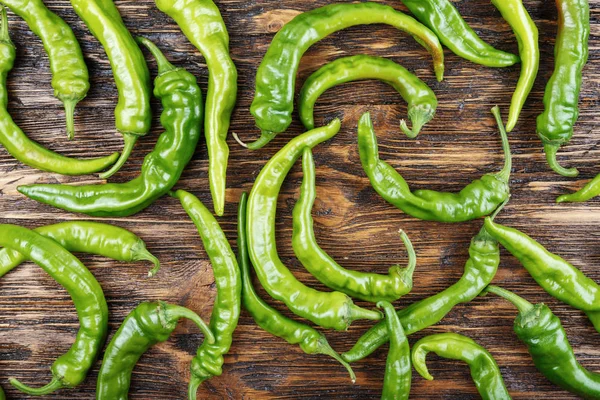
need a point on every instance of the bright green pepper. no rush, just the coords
(326, 309)
(133, 116)
(276, 76)
(398, 373)
(360, 285)
(526, 32)
(555, 124)
(589, 191)
(484, 369)
(309, 339)
(444, 19)
(70, 369)
(479, 198)
(70, 78)
(182, 115)
(420, 98)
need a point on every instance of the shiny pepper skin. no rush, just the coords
(70, 369)
(162, 168)
(326, 309)
(479, 271)
(276, 76)
(202, 24)
(555, 124)
(360, 285)
(589, 191)
(484, 369)
(480, 198)
(420, 98)
(70, 78)
(147, 325)
(398, 372)
(444, 19)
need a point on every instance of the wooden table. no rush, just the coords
(358, 228)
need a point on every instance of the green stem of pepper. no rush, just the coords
(4, 36)
(504, 174)
(419, 117)
(176, 312)
(551, 150)
(324, 348)
(54, 385)
(129, 141)
(265, 137)
(70, 116)
(164, 65)
(522, 305)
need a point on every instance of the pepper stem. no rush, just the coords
(262, 141)
(504, 174)
(164, 65)
(195, 383)
(412, 255)
(4, 36)
(70, 117)
(418, 117)
(356, 313)
(500, 208)
(323, 347)
(129, 141)
(174, 312)
(522, 305)
(550, 150)
(141, 253)
(54, 385)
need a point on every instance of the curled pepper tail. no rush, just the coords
(195, 383)
(418, 117)
(129, 141)
(550, 150)
(54, 385)
(262, 141)
(163, 64)
(323, 347)
(522, 305)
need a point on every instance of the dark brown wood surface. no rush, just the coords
(358, 228)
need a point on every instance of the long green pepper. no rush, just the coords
(226, 310)
(360, 285)
(479, 271)
(326, 309)
(70, 369)
(147, 325)
(70, 77)
(181, 117)
(276, 76)
(420, 98)
(480, 198)
(306, 337)
(398, 373)
(589, 191)
(202, 23)
(555, 124)
(484, 369)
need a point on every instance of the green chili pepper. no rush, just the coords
(398, 374)
(276, 76)
(2, 395)
(133, 116)
(589, 191)
(480, 269)
(329, 310)
(484, 369)
(479, 198)
(526, 32)
(420, 98)
(147, 325)
(88, 237)
(554, 274)
(226, 310)
(201, 22)
(555, 124)
(444, 19)
(18, 144)
(70, 78)
(547, 342)
(364, 286)
(70, 369)
(181, 118)
(309, 339)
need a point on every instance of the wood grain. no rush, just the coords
(37, 318)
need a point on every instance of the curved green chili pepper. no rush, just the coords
(479, 198)
(526, 32)
(484, 369)
(555, 124)
(360, 285)
(309, 339)
(181, 118)
(18, 144)
(480, 269)
(276, 76)
(147, 325)
(444, 19)
(133, 116)
(88, 237)
(398, 373)
(71, 368)
(226, 310)
(202, 24)
(420, 98)
(589, 191)
(547, 342)
(70, 78)
(328, 310)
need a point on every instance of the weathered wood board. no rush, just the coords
(359, 229)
